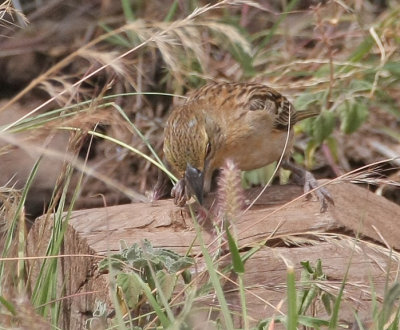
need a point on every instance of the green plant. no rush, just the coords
(311, 277)
(143, 274)
(301, 300)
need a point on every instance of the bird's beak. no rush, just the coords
(195, 180)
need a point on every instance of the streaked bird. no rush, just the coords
(251, 124)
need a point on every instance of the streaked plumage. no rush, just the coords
(245, 122)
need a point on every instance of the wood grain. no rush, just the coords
(293, 233)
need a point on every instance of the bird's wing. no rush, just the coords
(236, 99)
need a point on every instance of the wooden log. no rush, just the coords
(330, 236)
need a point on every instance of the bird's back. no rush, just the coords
(236, 99)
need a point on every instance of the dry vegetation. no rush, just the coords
(87, 86)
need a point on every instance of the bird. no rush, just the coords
(248, 123)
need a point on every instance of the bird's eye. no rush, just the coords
(208, 149)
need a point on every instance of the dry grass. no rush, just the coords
(78, 77)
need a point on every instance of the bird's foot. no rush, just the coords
(180, 193)
(323, 195)
(309, 182)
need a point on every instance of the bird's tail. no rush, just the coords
(311, 112)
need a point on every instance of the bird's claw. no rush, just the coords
(323, 195)
(305, 178)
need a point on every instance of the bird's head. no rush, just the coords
(187, 148)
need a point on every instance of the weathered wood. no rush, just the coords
(357, 212)
(265, 277)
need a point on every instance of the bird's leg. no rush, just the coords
(180, 193)
(307, 180)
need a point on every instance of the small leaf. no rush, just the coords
(362, 50)
(133, 253)
(318, 269)
(326, 300)
(181, 263)
(359, 86)
(312, 322)
(304, 100)
(131, 288)
(115, 261)
(312, 146)
(308, 299)
(168, 253)
(147, 246)
(8, 305)
(393, 67)
(259, 176)
(353, 116)
(166, 262)
(304, 126)
(298, 157)
(331, 142)
(187, 276)
(323, 126)
(237, 262)
(167, 283)
(307, 266)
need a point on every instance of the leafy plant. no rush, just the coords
(145, 274)
(302, 302)
(311, 290)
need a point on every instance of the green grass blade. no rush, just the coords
(312, 322)
(8, 305)
(333, 323)
(292, 298)
(153, 302)
(243, 301)
(238, 267)
(171, 11)
(391, 296)
(162, 296)
(127, 9)
(47, 286)
(115, 39)
(237, 262)
(213, 276)
(13, 225)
